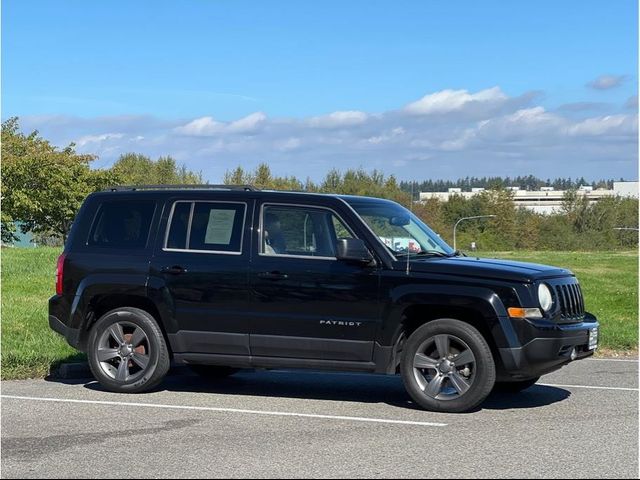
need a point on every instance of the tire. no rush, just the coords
(515, 387)
(127, 351)
(440, 385)
(213, 371)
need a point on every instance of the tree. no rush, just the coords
(262, 178)
(43, 186)
(137, 169)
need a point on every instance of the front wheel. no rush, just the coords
(127, 351)
(447, 366)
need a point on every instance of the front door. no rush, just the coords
(202, 262)
(304, 302)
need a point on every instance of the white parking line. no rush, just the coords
(614, 360)
(591, 387)
(228, 410)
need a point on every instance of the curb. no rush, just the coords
(68, 371)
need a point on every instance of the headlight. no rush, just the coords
(544, 297)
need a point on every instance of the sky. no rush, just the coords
(418, 89)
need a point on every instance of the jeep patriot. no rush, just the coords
(222, 278)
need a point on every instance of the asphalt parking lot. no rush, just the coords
(580, 422)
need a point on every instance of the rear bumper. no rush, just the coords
(59, 315)
(549, 348)
(72, 335)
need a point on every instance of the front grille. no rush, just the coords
(571, 302)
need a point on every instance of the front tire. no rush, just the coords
(447, 366)
(127, 351)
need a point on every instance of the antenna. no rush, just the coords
(409, 244)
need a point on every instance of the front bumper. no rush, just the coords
(548, 347)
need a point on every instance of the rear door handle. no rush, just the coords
(273, 275)
(174, 270)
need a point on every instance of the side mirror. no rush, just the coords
(353, 250)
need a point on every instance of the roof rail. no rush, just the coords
(133, 188)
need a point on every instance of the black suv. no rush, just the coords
(222, 278)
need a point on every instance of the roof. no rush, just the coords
(238, 189)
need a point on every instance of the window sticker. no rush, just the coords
(220, 227)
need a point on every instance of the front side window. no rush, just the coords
(122, 225)
(301, 231)
(206, 226)
(399, 229)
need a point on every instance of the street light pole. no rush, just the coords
(455, 227)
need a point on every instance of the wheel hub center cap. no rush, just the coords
(446, 367)
(126, 350)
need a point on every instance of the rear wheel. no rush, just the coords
(213, 371)
(515, 387)
(447, 366)
(127, 352)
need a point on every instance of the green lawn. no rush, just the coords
(609, 282)
(30, 348)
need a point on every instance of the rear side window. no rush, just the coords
(206, 227)
(122, 224)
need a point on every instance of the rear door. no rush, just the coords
(304, 302)
(201, 261)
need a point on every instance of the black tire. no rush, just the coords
(480, 382)
(213, 371)
(153, 349)
(515, 387)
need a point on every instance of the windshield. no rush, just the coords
(399, 229)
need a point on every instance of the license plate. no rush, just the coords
(593, 339)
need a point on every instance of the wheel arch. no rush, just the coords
(100, 304)
(480, 307)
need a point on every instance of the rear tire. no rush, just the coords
(431, 375)
(213, 372)
(515, 387)
(127, 351)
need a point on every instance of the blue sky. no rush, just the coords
(309, 86)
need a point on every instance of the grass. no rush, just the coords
(609, 282)
(30, 349)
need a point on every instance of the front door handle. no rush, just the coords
(273, 275)
(174, 270)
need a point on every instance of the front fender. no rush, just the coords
(484, 301)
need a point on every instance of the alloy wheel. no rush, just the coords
(124, 352)
(444, 367)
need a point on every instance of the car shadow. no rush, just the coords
(345, 387)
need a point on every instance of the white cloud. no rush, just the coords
(208, 126)
(606, 82)
(446, 101)
(289, 144)
(610, 125)
(97, 139)
(392, 135)
(248, 124)
(449, 133)
(339, 119)
(203, 126)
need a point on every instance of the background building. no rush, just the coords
(547, 200)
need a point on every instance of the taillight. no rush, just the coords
(60, 274)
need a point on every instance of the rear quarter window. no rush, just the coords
(122, 224)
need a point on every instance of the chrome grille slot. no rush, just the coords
(570, 301)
